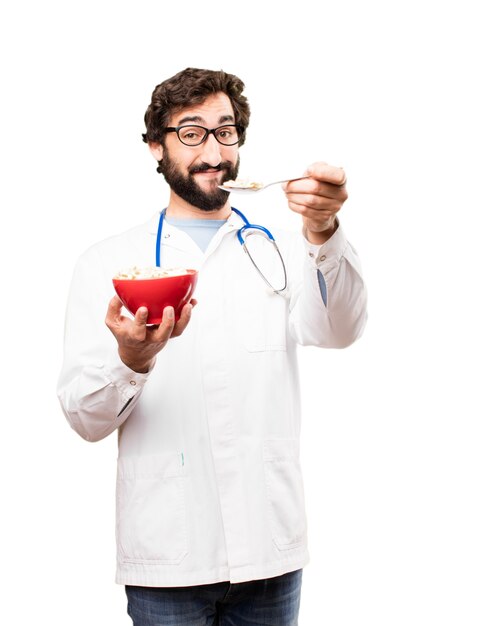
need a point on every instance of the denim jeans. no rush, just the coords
(269, 602)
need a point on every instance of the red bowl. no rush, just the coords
(157, 293)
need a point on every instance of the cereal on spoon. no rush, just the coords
(242, 184)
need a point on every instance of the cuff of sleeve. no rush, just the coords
(128, 382)
(324, 256)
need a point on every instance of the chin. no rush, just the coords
(212, 205)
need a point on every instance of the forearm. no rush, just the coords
(97, 399)
(97, 391)
(329, 305)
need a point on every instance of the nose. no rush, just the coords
(211, 151)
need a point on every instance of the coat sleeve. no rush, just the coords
(97, 391)
(327, 294)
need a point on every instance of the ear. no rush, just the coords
(157, 151)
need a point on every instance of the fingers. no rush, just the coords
(325, 188)
(169, 328)
(139, 324)
(185, 317)
(141, 316)
(314, 189)
(183, 320)
(161, 334)
(318, 198)
(139, 342)
(317, 201)
(317, 211)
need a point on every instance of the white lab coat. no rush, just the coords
(209, 485)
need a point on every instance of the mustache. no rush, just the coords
(225, 165)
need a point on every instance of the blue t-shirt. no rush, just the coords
(201, 231)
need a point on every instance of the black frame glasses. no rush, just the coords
(214, 131)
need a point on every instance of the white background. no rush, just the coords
(390, 431)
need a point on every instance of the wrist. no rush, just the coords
(320, 237)
(138, 366)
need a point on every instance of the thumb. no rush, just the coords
(114, 308)
(313, 168)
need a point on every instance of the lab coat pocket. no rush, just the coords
(264, 324)
(151, 517)
(285, 493)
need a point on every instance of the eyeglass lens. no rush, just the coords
(195, 135)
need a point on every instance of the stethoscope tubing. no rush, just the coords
(240, 232)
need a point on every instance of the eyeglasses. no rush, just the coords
(228, 135)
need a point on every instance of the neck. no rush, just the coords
(179, 208)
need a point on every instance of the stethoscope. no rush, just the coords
(243, 233)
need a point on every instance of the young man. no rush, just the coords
(210, 515)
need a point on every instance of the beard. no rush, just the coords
(186, 187)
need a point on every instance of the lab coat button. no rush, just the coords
(133, 383)
(323, 257)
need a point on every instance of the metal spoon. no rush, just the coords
(258, 186)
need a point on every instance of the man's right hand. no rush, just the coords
(138, 344)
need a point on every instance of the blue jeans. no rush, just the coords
(270, 602)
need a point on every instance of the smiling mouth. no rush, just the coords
(209, 176)
(212, 171)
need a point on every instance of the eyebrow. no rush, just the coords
(197, 118)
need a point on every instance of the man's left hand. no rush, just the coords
(318, 199)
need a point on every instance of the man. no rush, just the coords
(210, 516)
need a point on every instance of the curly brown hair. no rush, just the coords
(193, 86)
